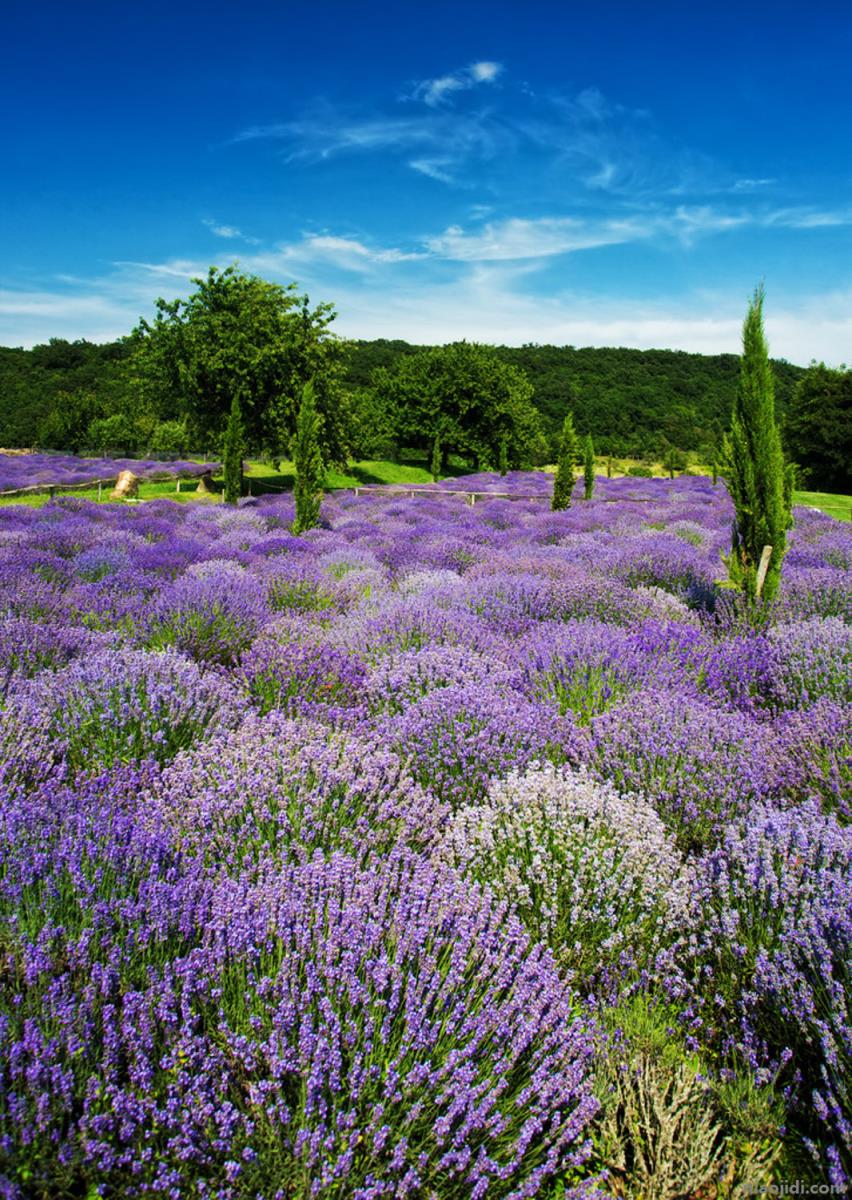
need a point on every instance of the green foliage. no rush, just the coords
(435, 465)
(238, 336)
(563, 485)
(67, 425)
(503, 455)
(636, 401)
(310, 474)
(233, 450)
(168, 440)
(640, 472)
(588, 467)
(114, 435)
(664, 1130)
(466, 394)
(818, 427)
(374, 434)
(754, 466)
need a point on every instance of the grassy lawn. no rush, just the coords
(828, 502)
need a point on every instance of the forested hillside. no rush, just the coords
(632, 401)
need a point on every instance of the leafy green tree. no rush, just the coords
(754, 466)
(373, 432)
(168, 440)
(233, 450)
(588, 467)
(310, 473)
(66, 424)
(818, 427)
(465, 394)
(240, 337)
(114, 434)
(563, 484)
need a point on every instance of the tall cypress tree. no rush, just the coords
(563, 485)
(437, 455)
(754, 466)
(310, 474)
(233, 449)
(503, 456)
(588, 467)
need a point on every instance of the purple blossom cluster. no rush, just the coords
(321, 855)
(45, 470)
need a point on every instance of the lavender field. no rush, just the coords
(63, 470)
(447, 850)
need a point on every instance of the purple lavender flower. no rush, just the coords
(699, 765)
(276, 790)
(460, 738)
(213, 616)
(119, 706)
(772, 915)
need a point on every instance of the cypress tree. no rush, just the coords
(563, 485)
(609, 466)
(754, 466)
(436, 458)
(504, 455)
(310, 475)
(588, 467)
(233, 449)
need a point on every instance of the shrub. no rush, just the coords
(121, 706)
(460, 738)
(591, 873)
(701, 767)
(275, 791)
(772, 907)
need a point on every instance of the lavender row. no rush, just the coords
(44, 470)
(342, 865)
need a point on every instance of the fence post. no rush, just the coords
(99, 491)
(177, 487)
(762, 568)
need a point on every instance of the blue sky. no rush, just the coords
(585, 174)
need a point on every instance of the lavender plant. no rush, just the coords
(592, 873)
(772, 910)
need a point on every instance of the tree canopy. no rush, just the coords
(466, 399)
(818, 427)
(239, 337)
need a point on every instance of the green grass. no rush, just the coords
(835, 505)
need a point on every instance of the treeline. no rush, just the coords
(80, 396)
(635, 402)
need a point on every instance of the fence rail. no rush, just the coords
(41, 489)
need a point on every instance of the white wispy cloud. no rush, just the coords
(517, 238)
(229, 232)
(809, 218)
(482, 301)
(350, 254)
(435, 92)
(751, 185)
